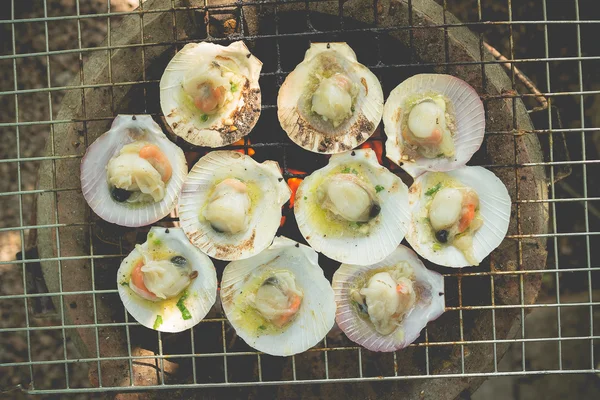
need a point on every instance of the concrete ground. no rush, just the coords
(574, 354)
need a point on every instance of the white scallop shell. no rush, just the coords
(236, 119)
(266, 215)
(316, 315)
(385, 236)
(348, 135)
(494, 208)
(126, 129)
(430, 304)
(202, 291)
(468, 112)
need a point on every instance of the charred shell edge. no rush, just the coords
(244, 117)
(303, 134)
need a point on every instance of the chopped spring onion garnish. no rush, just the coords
(185, 313)
(158, 322)
(433, 190)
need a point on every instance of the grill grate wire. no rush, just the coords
(226, 355)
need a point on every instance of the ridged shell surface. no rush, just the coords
(201, 293)
(466, 109)
(269, 192)
(430, 302)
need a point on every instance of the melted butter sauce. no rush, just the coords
(248, 317)
(186, 102)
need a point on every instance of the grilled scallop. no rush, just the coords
(330, 103)
(167, 284)
(458, 217)
(230, 206)
(132, 174)
(384, 306)
(353, 210)
(209, 93)
(279, 301)
(433, 123)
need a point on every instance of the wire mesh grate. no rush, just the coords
(486, 307)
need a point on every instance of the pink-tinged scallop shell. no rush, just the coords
(126, 129)
(430, 303)
(494, 208)
(469, 116)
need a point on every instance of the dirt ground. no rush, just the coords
(14, 212)
(570, 252)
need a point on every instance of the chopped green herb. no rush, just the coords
(440, 155)
(204, 118)
(437, 247)
(185, 313)
(234, 87)
(305, 197)
(156, 242)
(433, 190)
(352, 108)
(379, 188)
(262, 327)
(348, 170)
(157, 322)
(125, 283)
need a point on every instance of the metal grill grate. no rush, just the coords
(474, 326)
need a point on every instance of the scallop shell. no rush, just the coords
(316, 315)
(386, 234)
(468, 112)
(326, 139)
(494, 208)
(202, 291)
(430, 305)
(237, 118)
(266, 213)
(126, 129)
